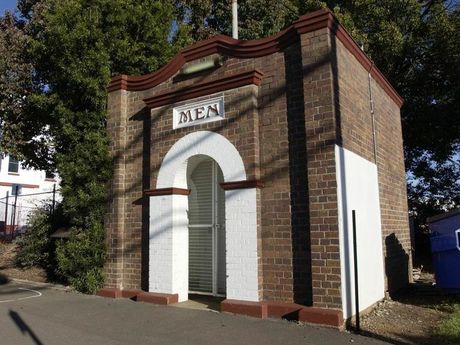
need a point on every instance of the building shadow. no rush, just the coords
(396, 265)
(298, 172)
(146, 147)
(145, 117)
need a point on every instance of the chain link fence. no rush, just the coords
(15, 210)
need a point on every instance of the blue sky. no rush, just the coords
(7, 5)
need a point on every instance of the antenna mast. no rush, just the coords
(235, 19)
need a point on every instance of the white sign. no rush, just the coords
(209, 110)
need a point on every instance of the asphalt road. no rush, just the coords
(45, 316)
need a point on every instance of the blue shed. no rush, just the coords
(445, 247)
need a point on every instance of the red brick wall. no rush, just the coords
(356, 133)
(321, 134)
(313, 95)
(393, 192)
(114, 219)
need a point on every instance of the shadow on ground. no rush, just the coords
(24, 327)
(3, 279)
(424, 293)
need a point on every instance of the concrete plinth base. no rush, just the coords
(290, 311)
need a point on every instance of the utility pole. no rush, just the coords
(235, 19)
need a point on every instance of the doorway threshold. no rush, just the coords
(201, 302)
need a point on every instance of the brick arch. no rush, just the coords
(174, 166)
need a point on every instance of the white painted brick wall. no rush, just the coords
(357, 189)
(161, 244)
(180, 246)
(168, 266)
(241, 241)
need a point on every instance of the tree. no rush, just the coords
(257, 18)
(431, 116)
(20, 135)
(74, 47)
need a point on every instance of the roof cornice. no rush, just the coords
(206, 88)
(228, 46)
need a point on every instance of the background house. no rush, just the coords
(21, 191)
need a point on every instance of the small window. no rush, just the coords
(16, 189)
(13, 166)
(50, 175)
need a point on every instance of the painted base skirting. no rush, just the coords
(139, 296)
(254, 309)
(263, 310)
(109, 292)
(290, 311)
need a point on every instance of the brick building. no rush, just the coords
(238, 165)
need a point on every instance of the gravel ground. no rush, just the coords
(403, 323)
(412, 317)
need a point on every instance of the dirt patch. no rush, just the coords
(412, 317)
(9, 270)
(403, 324)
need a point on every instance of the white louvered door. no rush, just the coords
(206, 230)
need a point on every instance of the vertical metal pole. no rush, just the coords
(14, 212)
(355, 259)
(235, 19)
(6, 211)
(54, 198)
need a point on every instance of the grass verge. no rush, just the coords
(449, 329)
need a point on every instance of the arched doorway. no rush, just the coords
(206, 222)
(169, 219)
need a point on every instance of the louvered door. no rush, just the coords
(206, 230)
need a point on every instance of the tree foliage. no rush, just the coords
(35, 246)
(74, 47)
(257, 18)
(17, 88)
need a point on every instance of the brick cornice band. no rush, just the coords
(167, 191)
(241, 184)
(225, 45)
(201, 89)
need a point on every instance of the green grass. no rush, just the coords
(449, 329)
